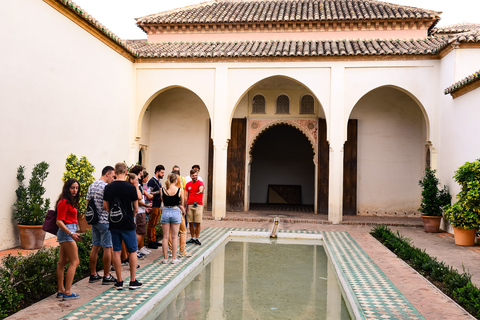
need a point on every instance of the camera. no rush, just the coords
(477, 234)
(195, 204)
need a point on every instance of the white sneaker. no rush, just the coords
(164, 261)
(144, 251)
(175, 261)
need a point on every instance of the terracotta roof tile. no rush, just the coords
(456, 28)
(288, 48)
(229, 11)
(462, 83)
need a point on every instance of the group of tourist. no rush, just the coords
(129, 206)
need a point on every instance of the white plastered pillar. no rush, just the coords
(336, 137)
(220, 135)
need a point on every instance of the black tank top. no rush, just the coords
(171, 201)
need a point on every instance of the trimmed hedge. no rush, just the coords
(457, 286)
(26, 279)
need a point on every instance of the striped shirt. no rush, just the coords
(95, 191)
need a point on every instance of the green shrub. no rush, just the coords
(465, 213)
(458, 286)
(31, 208)
(433, 199)
(26, 279)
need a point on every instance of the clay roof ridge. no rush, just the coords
(396, 5)
(230, 11)
(192, 6)
(457, 28)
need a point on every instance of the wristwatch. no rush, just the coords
(71, 232)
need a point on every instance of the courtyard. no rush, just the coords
(425, 298)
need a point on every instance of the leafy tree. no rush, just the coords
(82, 171)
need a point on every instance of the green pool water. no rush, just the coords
(258, 280)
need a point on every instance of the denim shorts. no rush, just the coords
(171, 215)
(128, 236)
(62, 236)
(101, 236)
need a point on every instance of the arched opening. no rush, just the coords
(142, 159)
(175, 128)
(247, 124)
(282, 170)
(392, 139)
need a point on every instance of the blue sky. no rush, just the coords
(119, 15)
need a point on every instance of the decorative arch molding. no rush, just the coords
(255, 128)
(408, 93)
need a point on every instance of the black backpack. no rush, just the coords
(116, 211)
(91, 215)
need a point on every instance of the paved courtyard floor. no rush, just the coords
(427, 299)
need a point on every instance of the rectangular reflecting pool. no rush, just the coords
(259, 279)
(239, 273)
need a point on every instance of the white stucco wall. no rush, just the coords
(463, 62)
(178, 134)
(63, 91)
(391, 153)
(460, 128)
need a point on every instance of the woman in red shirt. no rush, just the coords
(67, 236)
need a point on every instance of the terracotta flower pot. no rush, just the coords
(431, 223)
(464, 237)
(82, 224)
(31, 237)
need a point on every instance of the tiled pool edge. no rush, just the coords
(170, 275)
(353, 305)
(352, 259)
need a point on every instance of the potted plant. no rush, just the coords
(80, 169)
(433, 201)
(464, 215)
(30, 208)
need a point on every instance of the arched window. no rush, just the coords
(307, 105)
(258, 104)
(141, 155)
(283, 104)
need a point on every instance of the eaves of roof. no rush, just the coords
(465, 85)
(289, 48)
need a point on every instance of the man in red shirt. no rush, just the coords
(194, 199)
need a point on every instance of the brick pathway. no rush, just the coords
(430, 302)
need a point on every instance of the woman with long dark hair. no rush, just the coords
(67, 236)
(172, 197)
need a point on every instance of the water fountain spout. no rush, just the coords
(274, 232)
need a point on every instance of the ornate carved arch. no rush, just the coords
(256, 127)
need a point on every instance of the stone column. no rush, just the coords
(337, 127)
(220, 135)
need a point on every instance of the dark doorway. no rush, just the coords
(282, 168)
